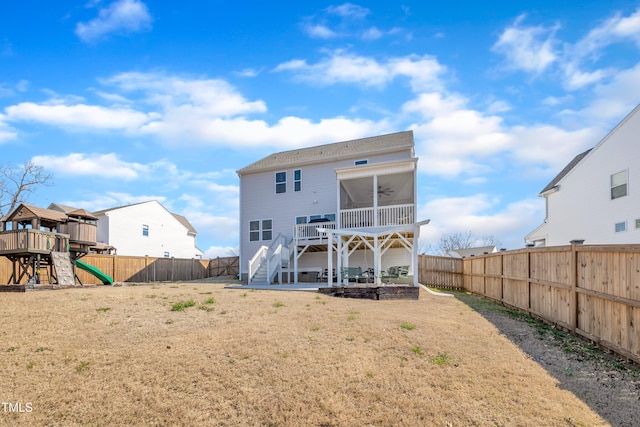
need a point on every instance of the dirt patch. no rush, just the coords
(198, 354)
(609, 384)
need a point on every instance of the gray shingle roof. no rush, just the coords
(565, 171)
(339, 150)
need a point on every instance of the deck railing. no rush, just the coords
(310, 231)
(377, 217)
(29, 240)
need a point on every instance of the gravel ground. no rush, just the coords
(607, 383)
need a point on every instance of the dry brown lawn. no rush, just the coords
(120, 356)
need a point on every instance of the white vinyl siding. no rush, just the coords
(317, 196)
(583, 208)
(121, 228)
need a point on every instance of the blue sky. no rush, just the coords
(133, 100)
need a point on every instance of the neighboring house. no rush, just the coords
(147, 229)
(333, 211)
(469, 252)
(596, 197)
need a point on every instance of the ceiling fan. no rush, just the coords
(384, 191)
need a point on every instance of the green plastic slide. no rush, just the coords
(107, 280)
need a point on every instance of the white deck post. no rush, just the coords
(376, 260)
(330, 258)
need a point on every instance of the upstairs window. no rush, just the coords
(281, 182)
(297, 180)
(166, 254)
(361, 162)
(145, 230)
(619, 185)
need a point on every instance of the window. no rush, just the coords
(637, 223)
(330, 217)
(166, 254)
(281, 182)
(619, 185)
(361, 162)
(301, 220)
(621, 226)
(254, 231)
(297, 180)
(314, 217)
(260, 228)
(267, 228)
(145, 230)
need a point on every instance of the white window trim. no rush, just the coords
(284, 183)
(626, 184)
(297, 181)
(615, 226)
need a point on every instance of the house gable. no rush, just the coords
(580, 202)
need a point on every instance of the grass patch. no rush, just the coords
(407, 326)
(180, 306)
(417, 350)
(278, 304)
(83, 366)
(103, 309)
(41, 349)
(440, 359)
(210, 301)
(30, 364)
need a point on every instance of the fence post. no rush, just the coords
(573, 279)
(528, 280)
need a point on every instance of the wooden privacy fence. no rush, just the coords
(440, 272)
(593, 290)
(145, 269)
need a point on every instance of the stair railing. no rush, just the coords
(256, 261)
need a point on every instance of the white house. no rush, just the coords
(147, 228)
(596, 197)
(333, 212)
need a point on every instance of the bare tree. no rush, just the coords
(458, 240)
(18, 184)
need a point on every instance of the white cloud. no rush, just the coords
(106, 165)
(196, 97)
(454, 138)
(80, 116)
(615, 29)
(6, 132)
(112, 199)
(372, 33)
(482, 215)
(319, 31)
(349, 10)
(527, 48)
(220, 251)
(341, 67)
(120, 17)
